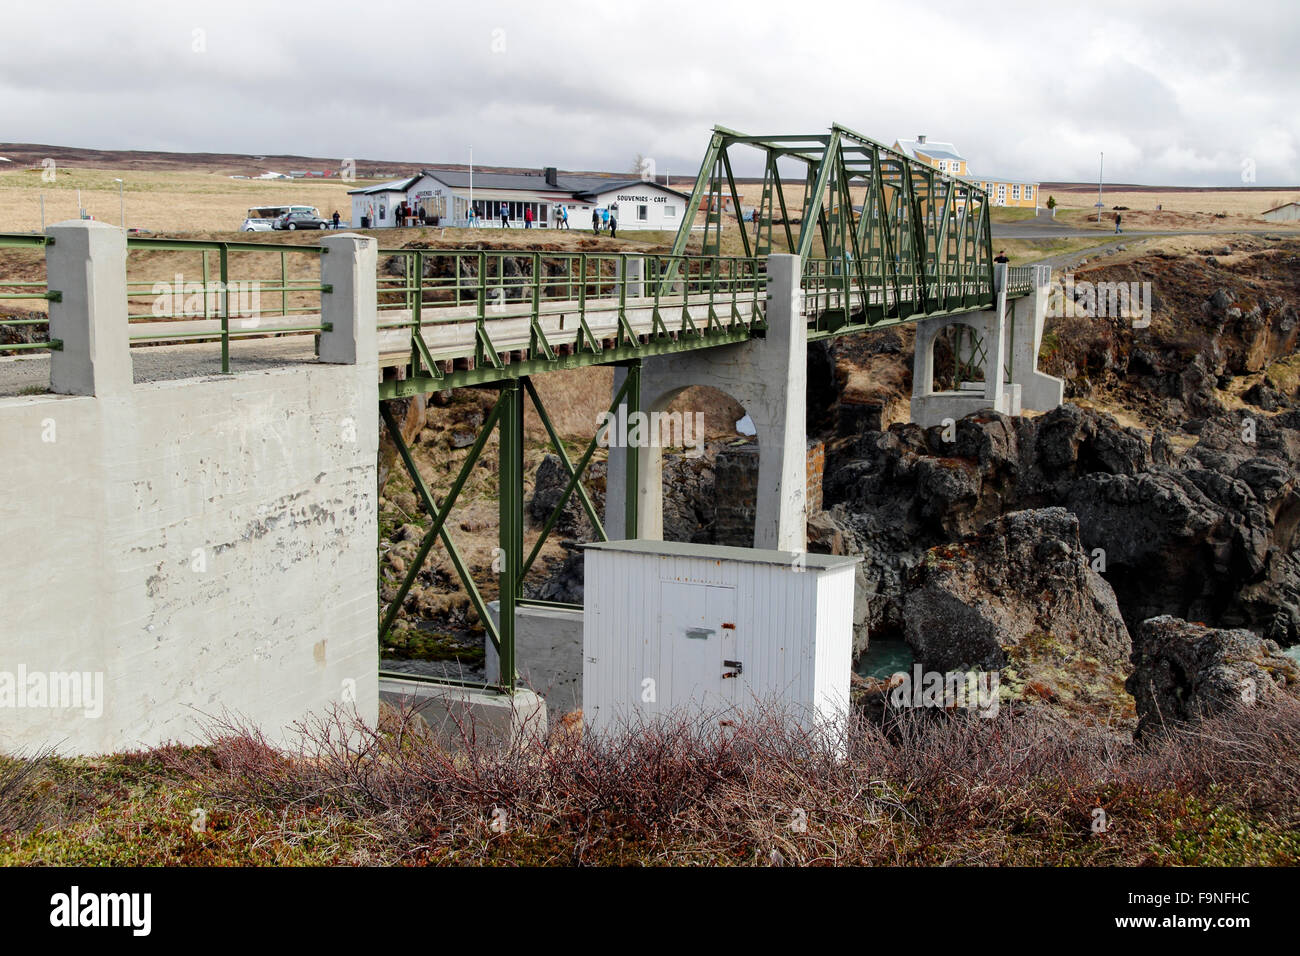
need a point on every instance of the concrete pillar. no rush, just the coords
(1013, 333)
(1038, 391)
(635, 278)
(87, 266)
(922, 357)
(995, 343)
(349, 266)
(769, 377)
(782, 507)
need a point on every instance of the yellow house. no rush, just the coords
(947, 159)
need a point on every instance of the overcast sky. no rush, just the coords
(1186, 93)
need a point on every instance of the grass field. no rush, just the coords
(158, 201)
(1208, 209)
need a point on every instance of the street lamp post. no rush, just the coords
(471, 177)
(1101, 166)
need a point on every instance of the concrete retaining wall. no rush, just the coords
(203, 545)
(186, 549)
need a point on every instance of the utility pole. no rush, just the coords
(471, 176)
(1100, 168)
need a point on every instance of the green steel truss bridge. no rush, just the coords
(881, 240)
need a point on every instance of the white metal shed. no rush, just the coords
(1287, 212)
(711, 630)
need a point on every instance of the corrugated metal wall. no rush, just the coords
(792, 631)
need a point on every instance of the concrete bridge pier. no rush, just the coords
(184, 551)
(768, 376)
(1010, 335)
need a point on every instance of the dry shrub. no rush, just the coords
(923, 787)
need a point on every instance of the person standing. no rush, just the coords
(471, 217)
(335, 217)
(595, 221)
(613, 221)
(564, 216)
(1118, 230)
(528, 217)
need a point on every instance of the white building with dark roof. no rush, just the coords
(445, 195)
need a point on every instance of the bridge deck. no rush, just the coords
(450, 333)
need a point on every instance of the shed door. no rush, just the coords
(698, 645)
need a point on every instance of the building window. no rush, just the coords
(1015, 191)
(1029, 192)
(670, 212)
(642, 212)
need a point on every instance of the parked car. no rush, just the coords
(262, 218)
(300, 220)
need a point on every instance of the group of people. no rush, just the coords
(602, 220)
(529, 218)
(605, 219)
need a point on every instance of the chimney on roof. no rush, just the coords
(920, 137)
(552, 175)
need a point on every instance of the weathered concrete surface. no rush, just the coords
(206, 546)
(548, 654)
(84, 265)
(457, 715)
(200, 549)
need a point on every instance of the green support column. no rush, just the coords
(511, 537)
(632, 492)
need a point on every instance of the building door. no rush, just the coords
(698, 636)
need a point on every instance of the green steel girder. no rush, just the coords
(438, 529)
(507, 420)
(922, 241)
(491, 374)
(510, 511)
(575, 478)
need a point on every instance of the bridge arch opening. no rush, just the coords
(958, 356)
(698, 471)
(707, 456)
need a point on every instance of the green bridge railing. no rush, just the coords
(689, 299)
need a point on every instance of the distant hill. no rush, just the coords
(1135, 187)
(237, 164)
